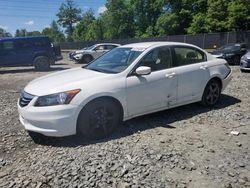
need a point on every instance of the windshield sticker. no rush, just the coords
(237, 44)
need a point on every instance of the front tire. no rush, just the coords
(86, 59)
(42, 63)
(98, 119)
(211, 93)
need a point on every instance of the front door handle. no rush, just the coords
(170, 75)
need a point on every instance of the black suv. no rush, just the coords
(231, 52)
(35, 51)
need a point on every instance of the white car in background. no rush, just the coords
(127, 82)
(87, 54)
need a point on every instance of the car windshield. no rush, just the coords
(88, 48)
(230, 47)
(115, 61)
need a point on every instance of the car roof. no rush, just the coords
(234, 44)
(108, 44)
(20, 38)
(154, 44)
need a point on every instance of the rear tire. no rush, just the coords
(42, 63)
(98, 119)
(211, 93)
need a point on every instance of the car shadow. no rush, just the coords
(26, 70)
(59, 63)
(139, 124)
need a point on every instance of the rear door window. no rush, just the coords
(188, 55)
(40, 43)
(110, 47)
(8, 45)
(101, 47)
(23, 44)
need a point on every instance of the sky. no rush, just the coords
(35, 15)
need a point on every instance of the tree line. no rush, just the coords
(146, 18)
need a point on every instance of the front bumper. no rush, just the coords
(245, 65)
(55, 121)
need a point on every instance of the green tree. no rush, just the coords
(4, 34)
(54, 33)
(117, 21)
(17, 34)
(239, 15)
(22, 33)
(199, 24)
(68, 15)
(80, 32)
(168, 24)
(34, 33)
(146, 13)
(217, 14)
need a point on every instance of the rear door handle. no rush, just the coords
(170, 75)
(204, 67)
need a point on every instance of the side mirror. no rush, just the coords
(143, 70)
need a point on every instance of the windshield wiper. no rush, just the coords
(94, 69)
(101, 70)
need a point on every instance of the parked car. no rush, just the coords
(34, 51)
(245, 62)
(231, 52)
(87, 54)
(127, 82)
(71, 54)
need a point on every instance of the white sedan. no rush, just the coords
(128, 81)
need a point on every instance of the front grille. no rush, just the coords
(25, 99)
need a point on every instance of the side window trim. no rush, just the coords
(174, 57)
(138, 63)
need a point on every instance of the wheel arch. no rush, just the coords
(215, 77)
(113, 99)
(39, 55)
(218, 79)
(85, 55)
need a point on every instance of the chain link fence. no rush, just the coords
(206, 40)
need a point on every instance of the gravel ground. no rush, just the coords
(189, 146)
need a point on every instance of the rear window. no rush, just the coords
(41, 43)
(8, 45)
(23, 44)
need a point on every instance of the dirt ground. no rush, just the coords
(189, 146)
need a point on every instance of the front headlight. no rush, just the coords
(78, 55)
(57, 98)
(244, 58)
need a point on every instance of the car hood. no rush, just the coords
(216, 52)
(247, 55)
(62, 81)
